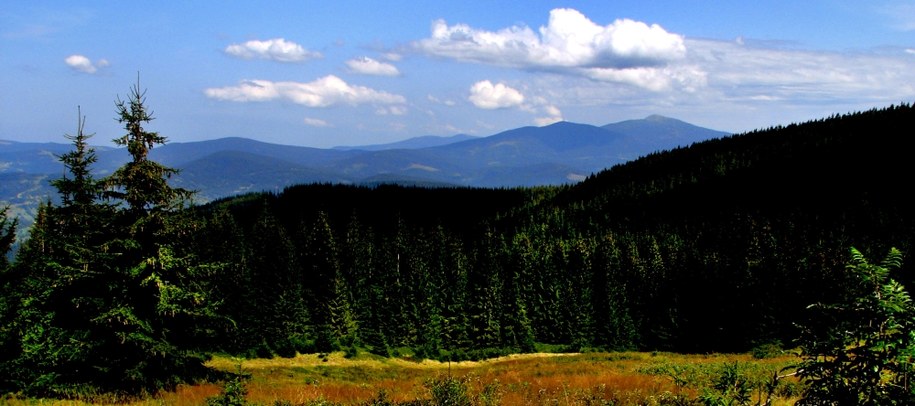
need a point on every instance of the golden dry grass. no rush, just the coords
(528, 379)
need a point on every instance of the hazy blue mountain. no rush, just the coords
(658, 132)
(178, 154)
(227, 172)
(563, 152)
(427, 141)
(559, 153)
(31, 157)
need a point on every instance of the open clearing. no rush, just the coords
(526, 379)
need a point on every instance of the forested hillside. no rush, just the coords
(716, 247)
(719, 246)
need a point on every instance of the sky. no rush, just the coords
(349, 72)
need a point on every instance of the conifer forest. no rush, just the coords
(124, 286)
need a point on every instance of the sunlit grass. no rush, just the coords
(530, 379)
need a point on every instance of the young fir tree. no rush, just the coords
(83, 217)
(59, 271)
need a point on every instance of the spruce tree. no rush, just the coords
(333, 317)
(274, 310)
(59, 271)
(7, 237)
(8, 301)
(151, 284)
(142, 183)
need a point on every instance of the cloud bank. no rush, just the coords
(748, 73)
(625, 51)
(369, 66)
(324, 92)
(276, 49)
(83, 64)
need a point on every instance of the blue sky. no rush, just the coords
(364, 72)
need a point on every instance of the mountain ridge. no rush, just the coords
(560, 153)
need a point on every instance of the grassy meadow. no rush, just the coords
(624, 378)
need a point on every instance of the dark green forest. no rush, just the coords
(716, 247)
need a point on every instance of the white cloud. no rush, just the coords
(369, 66)
(486, 95)
(276, 49)
(83, 64)
(748, 86)
(625, 51)
(687, 78)
(316, 122)
(327, 91)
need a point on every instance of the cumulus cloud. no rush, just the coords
(369, 66)
(315, 122)
(486, 95)
(625, 51)
(276, 49)
(83, 64)
(327, 91)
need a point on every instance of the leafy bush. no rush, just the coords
(861, 351)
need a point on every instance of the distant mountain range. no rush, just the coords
(560, 153)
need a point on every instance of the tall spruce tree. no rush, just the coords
(150, 293)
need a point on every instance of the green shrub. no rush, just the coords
(233, 394)
(767, 350)
(449, 391)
